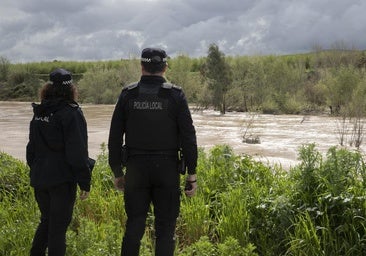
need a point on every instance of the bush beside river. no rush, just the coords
(243, 207)
(316, 82)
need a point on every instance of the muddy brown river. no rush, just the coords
(280, 135)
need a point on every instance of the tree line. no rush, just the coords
(321, 81)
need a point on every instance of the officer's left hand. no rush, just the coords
(119, 183)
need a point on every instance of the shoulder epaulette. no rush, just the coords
(170, 86)
(73, 105)
(131, 86)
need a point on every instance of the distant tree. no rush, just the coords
(129, 71)
(357, 113)
(341, 84)
(180, 73)
(179, 69)
(240, 96)
(256, 79)
(22, 84)
(100, 86)
(219, 76)
(361, 63)
(347, 92)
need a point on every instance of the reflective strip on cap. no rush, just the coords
(63, 82)
(150, 60)
(67, 82)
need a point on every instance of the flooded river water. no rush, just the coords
(280, 135)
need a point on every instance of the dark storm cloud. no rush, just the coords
(299, 26)
(43, 30)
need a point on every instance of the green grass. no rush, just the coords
(243, 207)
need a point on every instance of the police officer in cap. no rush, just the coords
(150, 123)
(57, 153)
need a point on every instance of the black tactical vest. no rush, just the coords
(151, 123)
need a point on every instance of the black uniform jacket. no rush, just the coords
(57, 151)
(172, 100)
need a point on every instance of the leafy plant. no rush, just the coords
(242, 207)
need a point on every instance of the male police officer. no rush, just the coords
(154, 120)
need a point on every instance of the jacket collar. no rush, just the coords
(152, 79)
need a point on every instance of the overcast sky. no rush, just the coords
(45, 30)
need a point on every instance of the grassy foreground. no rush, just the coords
(243, 207)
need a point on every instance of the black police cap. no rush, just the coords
(154, 56)
(60, 77)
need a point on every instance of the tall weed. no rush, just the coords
(330, 203)
(242, 207)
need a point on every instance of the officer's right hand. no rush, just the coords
(119, 183)
(191, 185)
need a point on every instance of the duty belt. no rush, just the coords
(134, 152)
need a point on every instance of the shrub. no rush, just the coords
(242, 207)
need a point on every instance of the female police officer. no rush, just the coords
(57, 153)
(154, 119)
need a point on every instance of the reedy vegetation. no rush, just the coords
(243, 207)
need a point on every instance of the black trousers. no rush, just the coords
(56, 206)
(151, 179)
